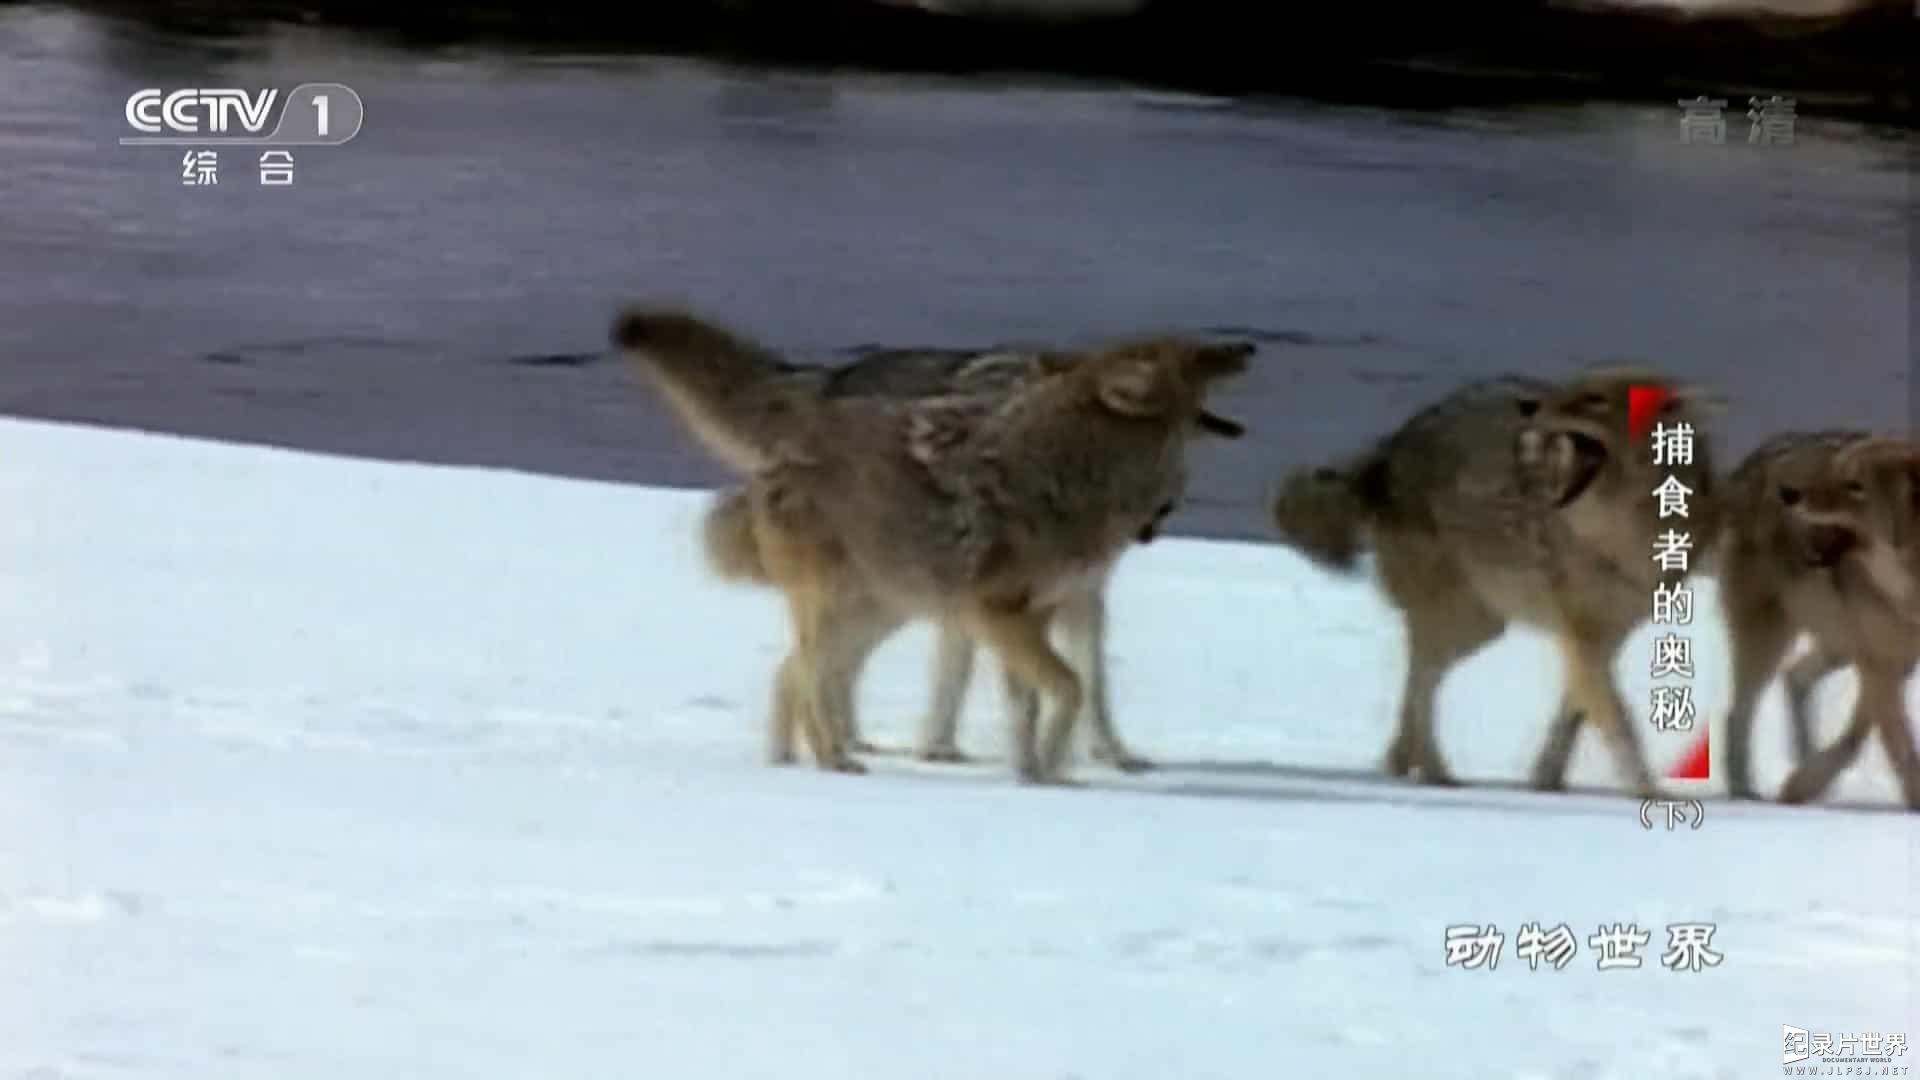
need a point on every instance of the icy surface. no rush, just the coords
(313, 768)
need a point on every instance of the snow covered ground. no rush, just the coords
(313, 768)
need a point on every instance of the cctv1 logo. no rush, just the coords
(313, 114)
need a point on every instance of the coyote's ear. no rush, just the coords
(1217, 360)
(1908, 518)
(1137, 386)
(1897, 487)
(1909, 482)
(1882, 455)
(1698, 398)
(1890, 467)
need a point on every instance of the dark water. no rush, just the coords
(439, 288)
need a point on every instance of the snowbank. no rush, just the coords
(323, 768)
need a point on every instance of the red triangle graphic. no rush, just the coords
(1643, 404)
(1696, 764)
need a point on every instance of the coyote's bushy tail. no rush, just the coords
(1324, 513)
(737, 398)
(727, 537)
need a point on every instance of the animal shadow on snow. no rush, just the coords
(1573, 800)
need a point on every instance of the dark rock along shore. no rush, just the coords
(1399, 52)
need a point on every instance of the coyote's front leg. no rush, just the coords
(952, 671)
(1082, 619)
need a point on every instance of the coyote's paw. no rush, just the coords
(1033, 774)
(862, 746)
(1547, 780)
(1121, 758)
(1803, 786)
(844, 765)
(1037, 780)
(1910, 787)
(1424, 763)
(1399, 759)
(946, 754)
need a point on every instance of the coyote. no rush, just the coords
(1820, 537)
(733, 554)
(988, 512)
(1511, 499)
(858, 621)
(742, 402)
(1082, 615)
